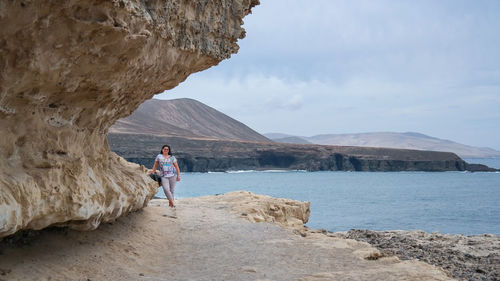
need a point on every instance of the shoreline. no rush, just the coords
(396, 200)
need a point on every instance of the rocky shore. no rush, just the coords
(475, 257)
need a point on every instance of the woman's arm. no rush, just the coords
(154, 167)
(178, 171)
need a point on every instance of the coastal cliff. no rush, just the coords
(205, 139)
(203, 155)
(68, 71)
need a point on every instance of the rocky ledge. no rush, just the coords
(235, 236)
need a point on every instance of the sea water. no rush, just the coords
(448, 202)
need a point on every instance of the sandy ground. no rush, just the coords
(208, 238)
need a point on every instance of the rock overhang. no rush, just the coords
(68, 71)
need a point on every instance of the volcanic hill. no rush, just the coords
(184, 118)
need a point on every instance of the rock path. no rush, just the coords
(201, 239)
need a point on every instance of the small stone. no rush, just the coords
(259, 218)
(249, 269)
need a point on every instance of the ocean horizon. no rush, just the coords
(490, 162)
(447, 202)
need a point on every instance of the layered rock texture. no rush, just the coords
(68, 71)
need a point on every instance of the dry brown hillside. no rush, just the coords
(184, 118)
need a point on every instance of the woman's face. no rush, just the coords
(165, 150)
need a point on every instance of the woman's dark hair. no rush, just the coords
(169, 149)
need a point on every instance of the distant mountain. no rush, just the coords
(184, 118)
(408, 140)
(277, 135)
(292, 139)
(205, 139)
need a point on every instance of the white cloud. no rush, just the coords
(350, 66)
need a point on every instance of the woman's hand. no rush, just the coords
(178, 178)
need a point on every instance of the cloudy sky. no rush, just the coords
(329, 67)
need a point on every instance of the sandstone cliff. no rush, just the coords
(68, 71)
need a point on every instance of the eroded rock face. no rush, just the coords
(259, 208)
(68, 71)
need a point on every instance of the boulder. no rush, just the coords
(68, 71)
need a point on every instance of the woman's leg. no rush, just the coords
(172, 181)
(165, 183)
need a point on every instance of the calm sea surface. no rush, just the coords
(448, 202)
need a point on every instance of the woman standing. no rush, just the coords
(167, 163)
